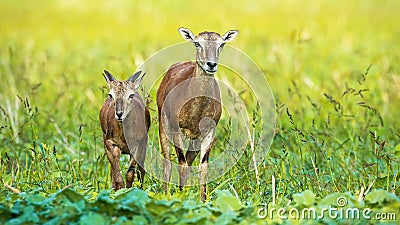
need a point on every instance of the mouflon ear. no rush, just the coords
(230, 35)
(134, 76)
(108, 76)
(187, 34)
(136, 79)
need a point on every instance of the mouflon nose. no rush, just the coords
(212, 65)
(119, 114)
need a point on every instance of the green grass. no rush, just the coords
(333, 67)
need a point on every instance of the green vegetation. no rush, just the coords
(137, 207)
(333, 67)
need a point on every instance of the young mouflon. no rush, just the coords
(125, 113)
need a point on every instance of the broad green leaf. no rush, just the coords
(73, 196)
(339, 199)
(136, 220)
(139, 220)
(189, 204)
(119, 194)
(123, 220)
(18, 207)
(248, 211)
(53, 221)
(202, 213)
(14, 221)
(136, 197)
(380, 197)
(227, 203)
(159, 207)
(194, 220)
(330, 200)
(93, 219)
(225, 218)
(305, 198)
(29, 216)
(67, 208)
(104, 197)
(105, 193)
(169, 219)
(105, 204)
(34, 198)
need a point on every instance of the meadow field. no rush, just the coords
(333, 68)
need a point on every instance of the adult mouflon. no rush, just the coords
(194, 118)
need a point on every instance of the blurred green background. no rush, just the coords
(320, 45)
